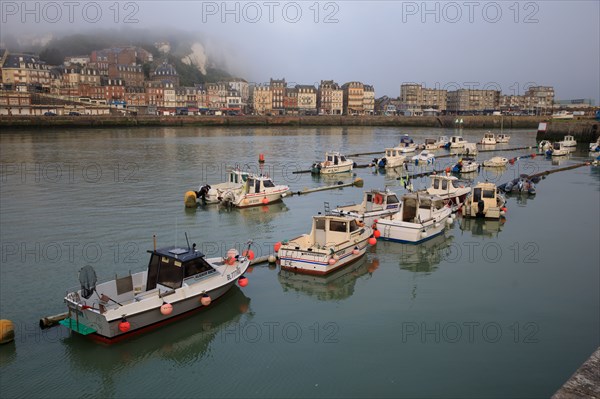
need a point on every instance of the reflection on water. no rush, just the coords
(482, 227)
(332, 287)
(334, 178)
(423, 258)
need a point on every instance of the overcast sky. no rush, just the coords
(483, 44)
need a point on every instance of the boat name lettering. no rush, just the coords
(234, 273)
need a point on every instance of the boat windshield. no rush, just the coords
(267, 183)
(336, 225)
(170, 272)
(455, 184)
(392, 199)
(196, 266)
(489, 193)
(343, 158)
(353, 226)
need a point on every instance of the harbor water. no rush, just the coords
(488, 309)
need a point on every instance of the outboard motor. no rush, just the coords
(480, 207)
(382, 162)
(202, 192)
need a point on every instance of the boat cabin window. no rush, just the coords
(196, 266)
(455, 184)
(392, 199)
(489, 193)
(268, 183)
(335, 225)
(342, 158)
(329, 158)
(388, 153)
(170, 272)
(477, 194)
(444, 184)
(353, 226)
(369, 197)
(233, 178)
(320, 224)
(425, 204)
(436, 183)
(556, 146)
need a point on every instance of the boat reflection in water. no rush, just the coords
(331, 287)
(185, 343)
(345, 177)
(482, 227)
(422, 258)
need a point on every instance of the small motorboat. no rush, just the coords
(393, 158)
(177, 282)
(484, 201)
(562, 115)
(449, 189)
(522, 185)
(442, 141)
(375, 204)
(407, 144)
(334, 163)
(421, 217)
(544, 145)
(334, 242)
(568, 141)
(456, 142)
(466, 165)
(502, 138)
(430, 144)
(595, 147)
(425, 157)
(488, 139)
(495, 162)
(557, 150)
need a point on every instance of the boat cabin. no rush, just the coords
(393, 152)
(488, 136)
(327, 231)
(258, 184)
(379, 200)
(170, 268)
(557, 145)
(457, 140)
(236, 176)
(485, 201)
(441, 184)
(406, 141)
(418, 208)
(334, 158)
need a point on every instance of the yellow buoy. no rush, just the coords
(190, 199)
(7, 331)
(359, 182)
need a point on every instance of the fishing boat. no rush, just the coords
(568, 141)
(334, 163)
(242, 189)
(425, 157)
(595, 147)
(450, 189)
(466, 165)
(177, 282)
(442, 141)
(430, 144)
(375, 204)
(484, 201)
(421, 217)
(502, 138)
(393, 158)
(456, 142)
(544, 145)
(488, 139)
(557, 150)
(495, 162)
(407, 144)
(334, 242)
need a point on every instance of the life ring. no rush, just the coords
(378, 199)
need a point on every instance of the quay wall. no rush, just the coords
(582, 129)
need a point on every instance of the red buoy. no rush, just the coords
(332, 261)
(277, 246)
(248, 254)
(124, 326)
(372, 241)
(243, 281)
(265, 201)
(261, 158)
(377, 234)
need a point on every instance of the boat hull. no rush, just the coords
(317, 263)
(411, 233)
(329, 170)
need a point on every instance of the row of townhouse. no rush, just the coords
(353, 98)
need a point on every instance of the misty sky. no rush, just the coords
(503, 45)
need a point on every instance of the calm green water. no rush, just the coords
(487, 310)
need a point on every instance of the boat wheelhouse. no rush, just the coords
(484, 201)
(421, 217)
(568, 141)
(375, 204)
(488, 139)
(430, 144)
(393, 158)
(334, 242)
(177, 282)
(407, 144)
(557, 150)
(456, 142)
(502, 138)
(334, 162)
(442, 141)
(450, 189)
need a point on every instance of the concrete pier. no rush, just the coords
(585, 383)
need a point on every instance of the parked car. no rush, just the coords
(49, 113)
(74, 113)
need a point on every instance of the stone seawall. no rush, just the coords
(584, 129)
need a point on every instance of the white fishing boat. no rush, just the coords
(470, 149)
(243, 189)
(562, 115)
(466, 165)
(595, 147)
(456, 142)
(334, 242)
(421, 217)
(425, 157)
(177, 282)
(568, 141)
(488, 139)
(334, 163)
(442, 141)
(375, 204)
(430, 144)
(558, 150)
(544, 145)
(407, 144)
(495, 162)
(393, 158)
(451, 190)
(484, 201)
(502, 138)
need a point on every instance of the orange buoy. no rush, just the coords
(261, 158)
(124, 326)
(372, 241)
(249, 254)
(277, 246)
(166, 309)
(7, 331)
(376, 234)
(332, 261)
(205, 300)
(265, 201)
(243, 281)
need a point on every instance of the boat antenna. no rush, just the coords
(188, 241)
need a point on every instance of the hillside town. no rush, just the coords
(130, 80)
